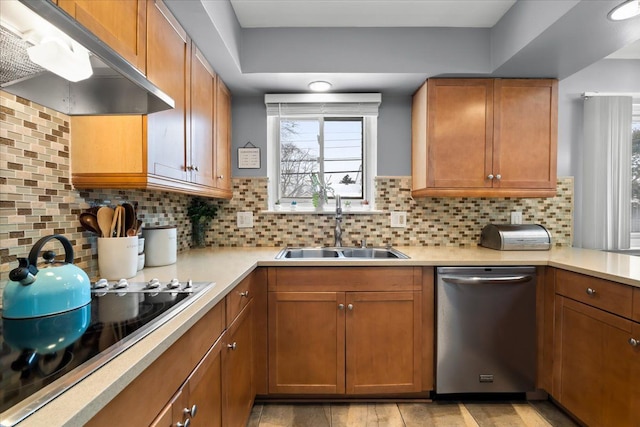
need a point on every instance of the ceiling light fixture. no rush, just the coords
(319, 86)
(625, 10)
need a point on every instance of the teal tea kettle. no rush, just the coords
(58, 288)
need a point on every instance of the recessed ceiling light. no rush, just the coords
(626, 10)
(319, 86)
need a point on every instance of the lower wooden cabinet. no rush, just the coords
(237, 370)
(595, 363)
(350, 341)
(199, 400)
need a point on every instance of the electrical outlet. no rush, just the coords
(244, 219)
(516, 217)
(398, 219)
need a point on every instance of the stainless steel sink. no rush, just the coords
(342, 253)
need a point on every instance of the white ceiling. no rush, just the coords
(631, 51)
(369, 13)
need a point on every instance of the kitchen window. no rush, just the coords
(331, 144)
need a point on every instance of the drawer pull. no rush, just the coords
(634, 342)
(591, 292)
(244, 294)
(232, 346)
(186, 423)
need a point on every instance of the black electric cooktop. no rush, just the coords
(42, 357)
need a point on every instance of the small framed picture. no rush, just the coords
(249, 157)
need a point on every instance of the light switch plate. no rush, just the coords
(244, 219)
(398, 219)
(516, 217)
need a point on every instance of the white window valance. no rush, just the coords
(313, 104)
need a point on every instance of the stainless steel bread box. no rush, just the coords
(515, 237)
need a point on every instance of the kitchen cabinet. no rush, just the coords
(485, 138)
(595, 352)
(121, 24)
(181, 375)
(172, 150)
(199, 400)
(237, 369)
(337, 330)
(223, 140)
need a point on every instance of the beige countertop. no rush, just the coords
(228, 266)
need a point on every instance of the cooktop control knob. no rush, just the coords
(173, 284)
(189, 285)
(101, 284)
(153, 284)
(122, 284)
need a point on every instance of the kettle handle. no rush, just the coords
(35, 251)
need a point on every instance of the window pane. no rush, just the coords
(299, 153)
(343, 156)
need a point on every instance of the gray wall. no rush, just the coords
(249, 121)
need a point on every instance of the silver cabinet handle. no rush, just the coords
(220, 176)
(634, 342)
(196, 168)
(350, 306)
(186, 423)
(590, 291)
(490, 176)
(192, 411)
(498, 177)
(232, 346)
(244, 294)
(340, 306)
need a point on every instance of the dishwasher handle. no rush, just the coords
(487, 280)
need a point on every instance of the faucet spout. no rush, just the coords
(337, 232)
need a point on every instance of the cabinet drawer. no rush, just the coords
(636, 304)
(610, 296)
(337, 279)
(237, 299)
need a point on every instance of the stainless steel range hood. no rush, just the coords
(115, 87)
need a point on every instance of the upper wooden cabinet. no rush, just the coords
(121, 24)
(485, 138)
(183, 149)
(223, 140)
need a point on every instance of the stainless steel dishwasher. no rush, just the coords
(486, 329)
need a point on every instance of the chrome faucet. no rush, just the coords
(337, 232)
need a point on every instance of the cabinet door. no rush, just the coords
(121, 24)
(205, 390)
(237, 370)
(173, 412)
(635, 368)
(419, 139)
(384, 339)
(525, 133)
(223, 140)
(167, 67)
(306, 342)
(593, 364)
(202, 117)
(460, 133)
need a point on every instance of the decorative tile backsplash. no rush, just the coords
(37, 199)
(430, 221)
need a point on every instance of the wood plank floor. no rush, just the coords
(439, 414)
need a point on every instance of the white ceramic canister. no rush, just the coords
(117, 257)
(160, 245)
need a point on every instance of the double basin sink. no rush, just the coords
(341, 253)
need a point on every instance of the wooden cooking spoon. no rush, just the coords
(105, 218)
